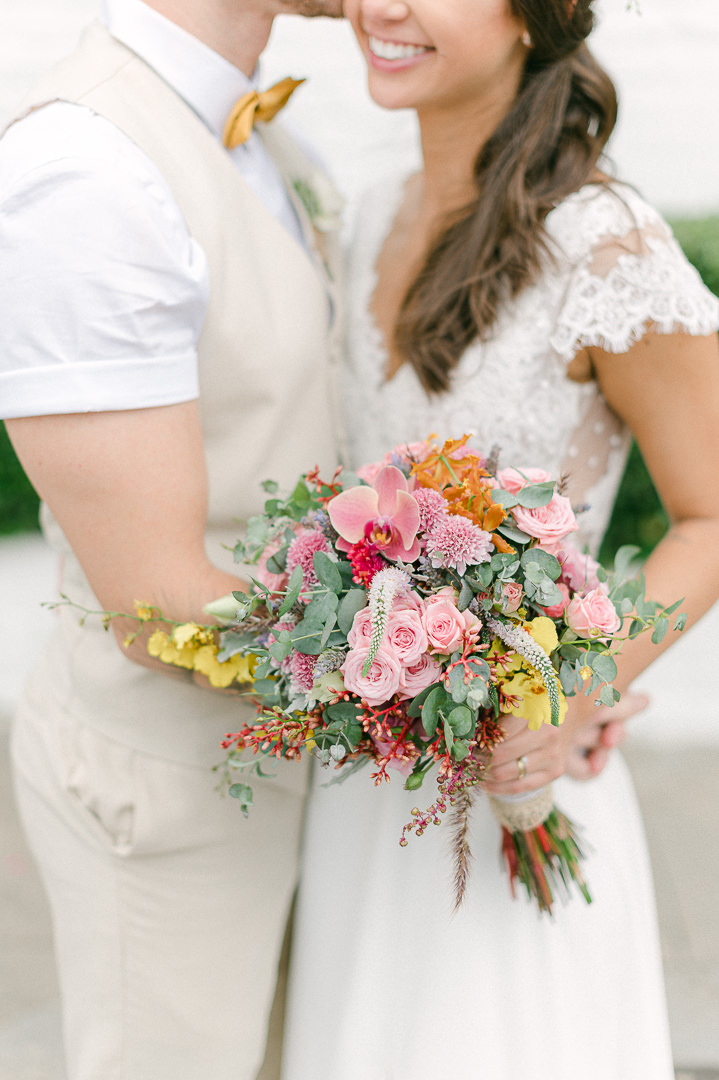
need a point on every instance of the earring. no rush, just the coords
(527, 39)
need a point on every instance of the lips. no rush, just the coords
(395, 50)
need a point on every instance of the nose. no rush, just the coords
(384, 10)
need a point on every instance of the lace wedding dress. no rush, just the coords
(387, 983)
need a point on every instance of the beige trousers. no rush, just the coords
(169, 907)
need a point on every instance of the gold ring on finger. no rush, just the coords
(522, 767)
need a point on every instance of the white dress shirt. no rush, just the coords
(103, 292)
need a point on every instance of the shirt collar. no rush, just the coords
(205, 80)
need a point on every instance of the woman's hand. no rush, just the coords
(580, 747)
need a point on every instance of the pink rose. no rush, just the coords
(416, 677)
(361, 631)
(406, 637)
(472, 625)
(557, 609)
(368, 472)
(411, 601)
(380, 682)
(512, 594)
(547, 523)
(593, 615)
(514, 480)
(579, 571)
(274, 582)
(444, 624)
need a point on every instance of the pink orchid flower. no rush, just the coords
(384, 514)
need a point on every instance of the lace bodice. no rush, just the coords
(616, 272)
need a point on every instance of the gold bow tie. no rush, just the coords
(254, 106)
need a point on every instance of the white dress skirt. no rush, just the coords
(388, 983)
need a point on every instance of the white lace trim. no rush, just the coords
(651, 287)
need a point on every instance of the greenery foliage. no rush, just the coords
(18, 501)
(638, 516)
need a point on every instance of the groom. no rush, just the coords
(168, 322)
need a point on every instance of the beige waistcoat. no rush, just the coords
(265, 387)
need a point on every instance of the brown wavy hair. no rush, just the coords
(546, 147)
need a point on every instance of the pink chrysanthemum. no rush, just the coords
(301, 551)
(432, 507)
(303, 671)
(456, 542)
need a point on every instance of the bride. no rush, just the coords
(511, 290)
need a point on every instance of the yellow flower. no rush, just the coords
(236, 669)
(534, 704)
(544, 633)
(586, 673)
(164, 649)
(189, 634)
(144, 612)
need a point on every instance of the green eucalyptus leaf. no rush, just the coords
(243, 794)
(466, 596)
(461, 720)
(623, 559)
(603, 665)
(568, 677)
(504, 498)
(341, 712)
(326, 571)
(608, 696)
(321, 607)
(548, 563)
(279, 650)
(456, 684)
(329, 627)
(660, 630)
(430, 709)
(264, 687)
(535, 495)
(480, 578)
(352, 602)
(294, 588)
(511, 532)
(301, 495)
(415, 706)
(307, 637)
(277, 563)
(571, 652)
(460, 750)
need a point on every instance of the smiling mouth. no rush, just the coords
(393, 50)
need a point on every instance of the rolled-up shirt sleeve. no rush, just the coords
(103, 292)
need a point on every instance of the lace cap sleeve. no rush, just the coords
(627, 274)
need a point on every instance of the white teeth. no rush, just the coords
(390, 50)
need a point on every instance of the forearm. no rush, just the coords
(683, 566)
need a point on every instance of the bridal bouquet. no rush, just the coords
(397, 614)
